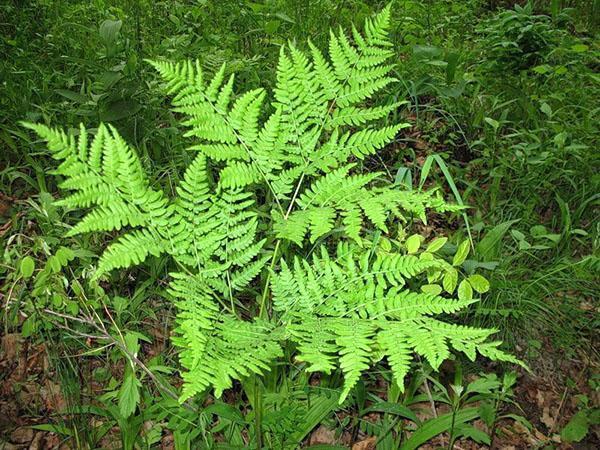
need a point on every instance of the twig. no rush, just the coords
(105, 335)
(428, 391)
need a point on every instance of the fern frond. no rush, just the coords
(239, 174)
(131, 249)
(354, 339)
(235, 350)
(257, 181)
(394, 342)
(223, 152)
(316, 344)
(368, 141)
(113, 217)
(195, 320)
(355, 116)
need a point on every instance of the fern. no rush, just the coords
(257, 184)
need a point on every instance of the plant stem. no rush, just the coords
(266, 289)
(257, 414)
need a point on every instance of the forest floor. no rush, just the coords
(30, 398)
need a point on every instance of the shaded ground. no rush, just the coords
(30, 395)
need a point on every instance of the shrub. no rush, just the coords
(518, 39)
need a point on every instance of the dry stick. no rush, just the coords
(132, 357)
(428, 391)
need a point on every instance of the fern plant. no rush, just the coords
(273, 228)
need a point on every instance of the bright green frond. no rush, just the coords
(131, 249)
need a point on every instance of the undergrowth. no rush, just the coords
(308, 242)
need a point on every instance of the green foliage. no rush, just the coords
(346, 310)
(518, 39)
(502, 105)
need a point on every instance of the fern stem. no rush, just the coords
(266, 289)
(277, 244)
(230, 292)
(427, 390)
(257, 414)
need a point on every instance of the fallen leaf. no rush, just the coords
(36, 444)
(10, 346)
(167, 442)
(322, 435)
(52, 397)
(547, 419)
(366, 444)
(586, 306)
(51, 440)
(539, 398)
(21, 435)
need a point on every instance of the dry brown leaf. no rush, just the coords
(587, 306)
(37, 443)
(51, 440)
(11, 345)
(52, 397)
(167, 442)
(547, 419)
(21, 435)
(540, 399)
(322, 435)
(366, 444)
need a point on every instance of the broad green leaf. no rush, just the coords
(109, 31)
(517, 235)
(487, 411)
(450, 280)
(65, 255)
(29, 327)
(272, 26)
(392, 408)
(488, 247)
(461, 253)
(413, 243)
(129, 394)
(493, 123)
(425, 171)
(538, 230)
(434, 289)
(576, 429)
(465, 291)
(119, 110)
(226, 412)
(385, 244)
(479, 283)
(546, 109)
(439, 425)
(483, 385)
(27, 267)
(320, 408)
(73, 96)
(579, 48)
(54, 428)
(426, 256)
(436, 244)
(470, 432)
(54, 264)
(131, 342)
(542, 69)
(553, 237)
